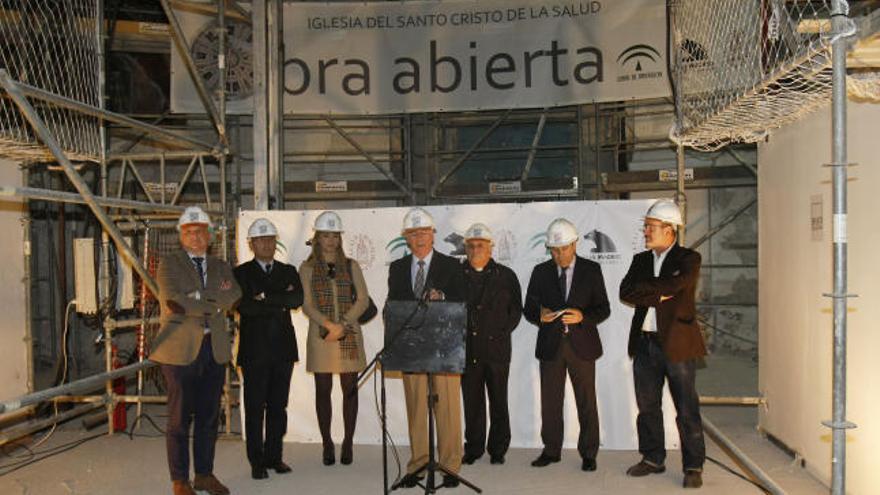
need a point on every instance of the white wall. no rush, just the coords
(795, 353)
(14, 375)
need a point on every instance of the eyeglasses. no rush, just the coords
(653, 226)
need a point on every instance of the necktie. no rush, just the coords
(197, 260)
(419, 285)
(562, 284)
(268, 268)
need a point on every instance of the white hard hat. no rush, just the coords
(328, 221)
(666, 211)
(561, 233)
(193, 214)
(417, 218)
(478, 231)
(262, 227)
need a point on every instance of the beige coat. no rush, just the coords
(180, 335)
(323, 356)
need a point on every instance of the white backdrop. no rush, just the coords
(372, 236)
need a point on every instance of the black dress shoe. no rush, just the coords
(280, 467)
(644, 468)
(450, 481)
(588, 465)
(544, 460)
(497, 459)
(410, 480)
(692, 479)
(259, 473)
(470, 458)
(329, 457)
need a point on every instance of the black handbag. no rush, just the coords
(371, 310)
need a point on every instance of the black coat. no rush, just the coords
(266, 332)
(444, 274)
(677, 324)
(587, 294)
(494, 311)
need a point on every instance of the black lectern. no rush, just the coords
(426, 337)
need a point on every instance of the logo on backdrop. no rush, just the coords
(395, 249)
(539, 241)
(457, 241)
(504, 246)
(639, 62)
(604, 250)
(361, 248)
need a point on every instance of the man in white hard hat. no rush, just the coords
(665, 342)
(267, 346)
(426, 274)
(566, 299)
(494, 309)
(193, 346)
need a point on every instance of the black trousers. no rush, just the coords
(193, 397)
(479, 380)
(324, 407)
(650, 370)
(583, 380)
(266, 389)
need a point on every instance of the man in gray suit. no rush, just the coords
(193, 346)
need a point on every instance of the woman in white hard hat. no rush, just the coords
(335, 296)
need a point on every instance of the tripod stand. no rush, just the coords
(432, 466)
(434, 344)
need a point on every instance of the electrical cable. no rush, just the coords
(15, 466)
(394, 453)
(737, 474)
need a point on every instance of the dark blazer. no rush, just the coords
(266, 332)
(587, 294)
(495, 316)
(677, 317)
(444, 274)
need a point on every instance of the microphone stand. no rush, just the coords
(377, 360)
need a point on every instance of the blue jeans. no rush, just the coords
(193, 396)
(650, 369)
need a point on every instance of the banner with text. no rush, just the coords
(610, 233)
(426, 56)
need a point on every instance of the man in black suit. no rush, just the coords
(665, 343)
(267, 347)
(566, 299)
(426, 274)
(494, 311)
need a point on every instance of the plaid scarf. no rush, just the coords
(322, 290)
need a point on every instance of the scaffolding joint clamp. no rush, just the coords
(839, 296)
(840, 425)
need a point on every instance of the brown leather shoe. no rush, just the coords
(209, 483)
(182, 488)
(644, 468)
(692, 479)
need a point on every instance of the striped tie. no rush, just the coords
(419, 286)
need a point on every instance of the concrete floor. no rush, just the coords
(119, 465)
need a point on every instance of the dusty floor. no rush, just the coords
(119, 465)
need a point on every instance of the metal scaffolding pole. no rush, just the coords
(183, 50)
(87, 384)
(49, 140)
(750, 466)
(840, 24)
(66, 197)
(262, 191)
